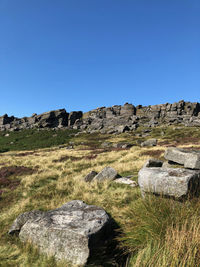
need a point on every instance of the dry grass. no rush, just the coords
(59, 178)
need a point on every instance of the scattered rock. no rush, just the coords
(149, 143)
(127, 181)
(67, 233)
(108, 173)
(70, 147)
(190, 159)
(6, 135)
(90, 176)
(106, 144)
(122, 145)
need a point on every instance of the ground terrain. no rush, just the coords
(38, 172)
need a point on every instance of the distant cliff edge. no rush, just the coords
(115, 119)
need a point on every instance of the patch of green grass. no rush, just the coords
(34, 139)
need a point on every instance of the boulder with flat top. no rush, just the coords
(190, 159)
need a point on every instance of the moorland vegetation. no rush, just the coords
(38, 172)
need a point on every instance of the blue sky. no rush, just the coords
(83, 54)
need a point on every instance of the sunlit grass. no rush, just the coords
(150, 230)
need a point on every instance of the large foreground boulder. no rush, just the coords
(68, 232)
(174, 182)
(190, 159)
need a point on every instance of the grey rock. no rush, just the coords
(127, 181)
(23, 218)
(108, 173)
(149, 142)
(90, 176)
(106, 144)
(67, 233)
(122, 128)
(52, 119)
(75, 116)
(190, 159)
(115, 119)
(174, 182)
(70, 147)
(127, 110)
(122, 145)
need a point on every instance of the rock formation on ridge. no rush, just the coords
(115, 119)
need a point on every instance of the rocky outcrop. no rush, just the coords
(67, 233)
(115, 119)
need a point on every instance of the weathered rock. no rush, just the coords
(190, 159)
(122, 129)
(106, 144)
(74, 116)
(90, 176)
(122, 145)
(176, 182)
(115, 119)
(149, 142)
(67, 233)
(127, 110)
(127, 181)
(52, 119)
(108, 173)
(23, 218)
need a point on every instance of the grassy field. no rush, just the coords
(40, 173)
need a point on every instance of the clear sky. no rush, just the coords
(83, 54)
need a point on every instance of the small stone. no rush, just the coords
(108, 173)
(127, 181)
(149, 143)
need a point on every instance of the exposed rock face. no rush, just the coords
(52, 119)
(74, 117)
(176, 182)
(190, 159)
(115, 119)
(68, 232)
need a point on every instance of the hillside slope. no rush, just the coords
(155, 232)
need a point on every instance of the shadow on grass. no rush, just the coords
(108, 253)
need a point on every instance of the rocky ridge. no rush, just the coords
(115, 119)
